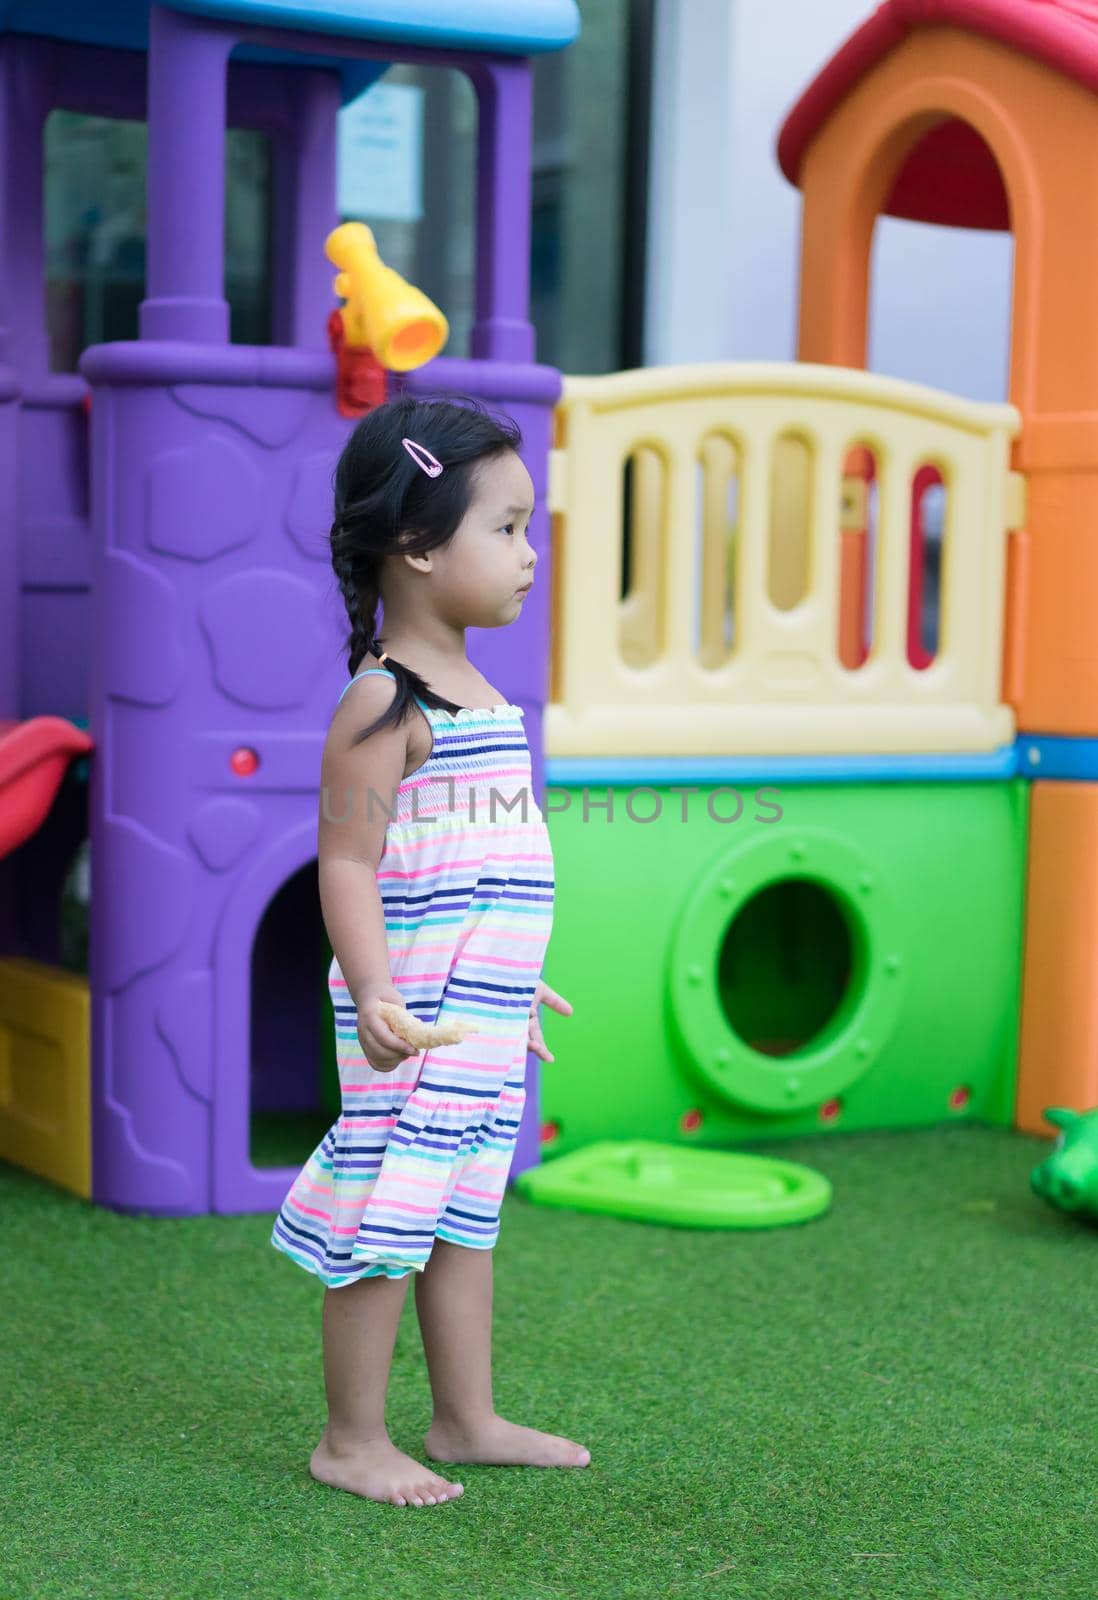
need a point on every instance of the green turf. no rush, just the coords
(898, 1400)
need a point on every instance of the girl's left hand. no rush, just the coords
(550, 997)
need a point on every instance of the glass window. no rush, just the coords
(94, 202)
(408, 170)
(580, 192)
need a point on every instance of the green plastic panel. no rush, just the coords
(853, 964)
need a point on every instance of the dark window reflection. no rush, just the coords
(95, 233)
(585, 101)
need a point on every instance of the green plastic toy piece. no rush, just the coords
(1068, 1176)
(688, 1188)
(837, 970)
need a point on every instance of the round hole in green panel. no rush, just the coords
(814, 971)
(785, 965)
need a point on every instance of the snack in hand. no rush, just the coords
(423, 1035)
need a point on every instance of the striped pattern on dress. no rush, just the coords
(467, 884)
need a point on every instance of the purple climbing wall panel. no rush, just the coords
(218, 629)
(173, 581)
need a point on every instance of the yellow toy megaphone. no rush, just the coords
(383, 313)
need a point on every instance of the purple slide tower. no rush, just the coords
(171, 509)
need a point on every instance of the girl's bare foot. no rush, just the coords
(379, 1471)
(497, 1442)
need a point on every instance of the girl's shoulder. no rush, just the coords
(366, 672)
(365, 697)
(404, 743)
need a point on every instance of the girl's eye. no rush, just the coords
(508, 527)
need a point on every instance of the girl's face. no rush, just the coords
(489, 562)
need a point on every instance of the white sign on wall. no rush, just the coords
(381, 154)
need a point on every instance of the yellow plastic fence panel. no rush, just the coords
(45, 1085)
(643, 668)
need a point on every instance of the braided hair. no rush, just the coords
(385, 503)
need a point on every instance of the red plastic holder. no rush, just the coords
(361, 380)
(33, 759)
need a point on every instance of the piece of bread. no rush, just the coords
(423, 1035)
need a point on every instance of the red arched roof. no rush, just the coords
(951, 175)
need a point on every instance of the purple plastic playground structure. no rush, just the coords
(174, 585)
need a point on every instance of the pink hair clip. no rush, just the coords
(422, 458)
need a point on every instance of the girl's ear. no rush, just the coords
(419, 559)
(1060, 1116)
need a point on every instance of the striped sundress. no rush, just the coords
(467, 882)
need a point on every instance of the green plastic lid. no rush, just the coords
(687, 1188)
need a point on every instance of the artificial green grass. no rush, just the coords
(897, 1400)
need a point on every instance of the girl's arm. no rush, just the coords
(358, 788)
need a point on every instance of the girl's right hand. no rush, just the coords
(383, 1048)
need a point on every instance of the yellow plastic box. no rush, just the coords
(45, 1085)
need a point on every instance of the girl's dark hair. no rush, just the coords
(381, 494)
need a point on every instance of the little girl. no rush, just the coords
(436, 884)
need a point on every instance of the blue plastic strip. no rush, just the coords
(526, 29)
(534, 25)
(976, 767)
(1056, 756)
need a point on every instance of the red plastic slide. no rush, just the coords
(33, 758)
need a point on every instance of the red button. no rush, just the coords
(244, 762)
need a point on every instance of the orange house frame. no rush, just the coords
(985, 113)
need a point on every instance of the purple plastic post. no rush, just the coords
(44, 536)
(184, 296)
(306, 166)
(9, 420)
(9, 549)
(502, 330)
(23, 339)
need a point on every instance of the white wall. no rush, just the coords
(724, 222)
(688, 311)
